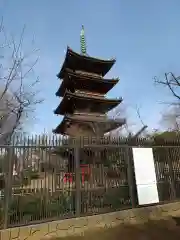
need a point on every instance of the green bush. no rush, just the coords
(24, 209)
(113, 198)
(117, 198)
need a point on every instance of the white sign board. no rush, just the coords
(145, 176)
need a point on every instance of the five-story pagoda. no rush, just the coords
(83, 89)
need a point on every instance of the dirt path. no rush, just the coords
(164, 229)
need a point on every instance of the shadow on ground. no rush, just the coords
(163, 229)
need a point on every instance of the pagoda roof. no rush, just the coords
(106, 124)
(76, 61)
(85, 82)
(81, 101)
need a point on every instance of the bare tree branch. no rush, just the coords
(139, 115)
(171, 82)
(171, 118)
(119, 112)
(127, 128)
(18, 93)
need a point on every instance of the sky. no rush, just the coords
(142, 35)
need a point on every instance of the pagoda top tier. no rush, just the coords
(85, 63)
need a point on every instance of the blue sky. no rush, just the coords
(143, 35)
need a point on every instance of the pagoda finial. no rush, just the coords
(83, 41)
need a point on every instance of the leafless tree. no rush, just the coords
(119, 112)
(126, 129)
(18, 92)
(171, 118)
(142, 130)
(173, 84)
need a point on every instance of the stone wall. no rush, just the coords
(77, 226)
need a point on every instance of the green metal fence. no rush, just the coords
(48, 178)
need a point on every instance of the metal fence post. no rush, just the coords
(77, 181)
(8, 185)
(172, 181)
(131, 178)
